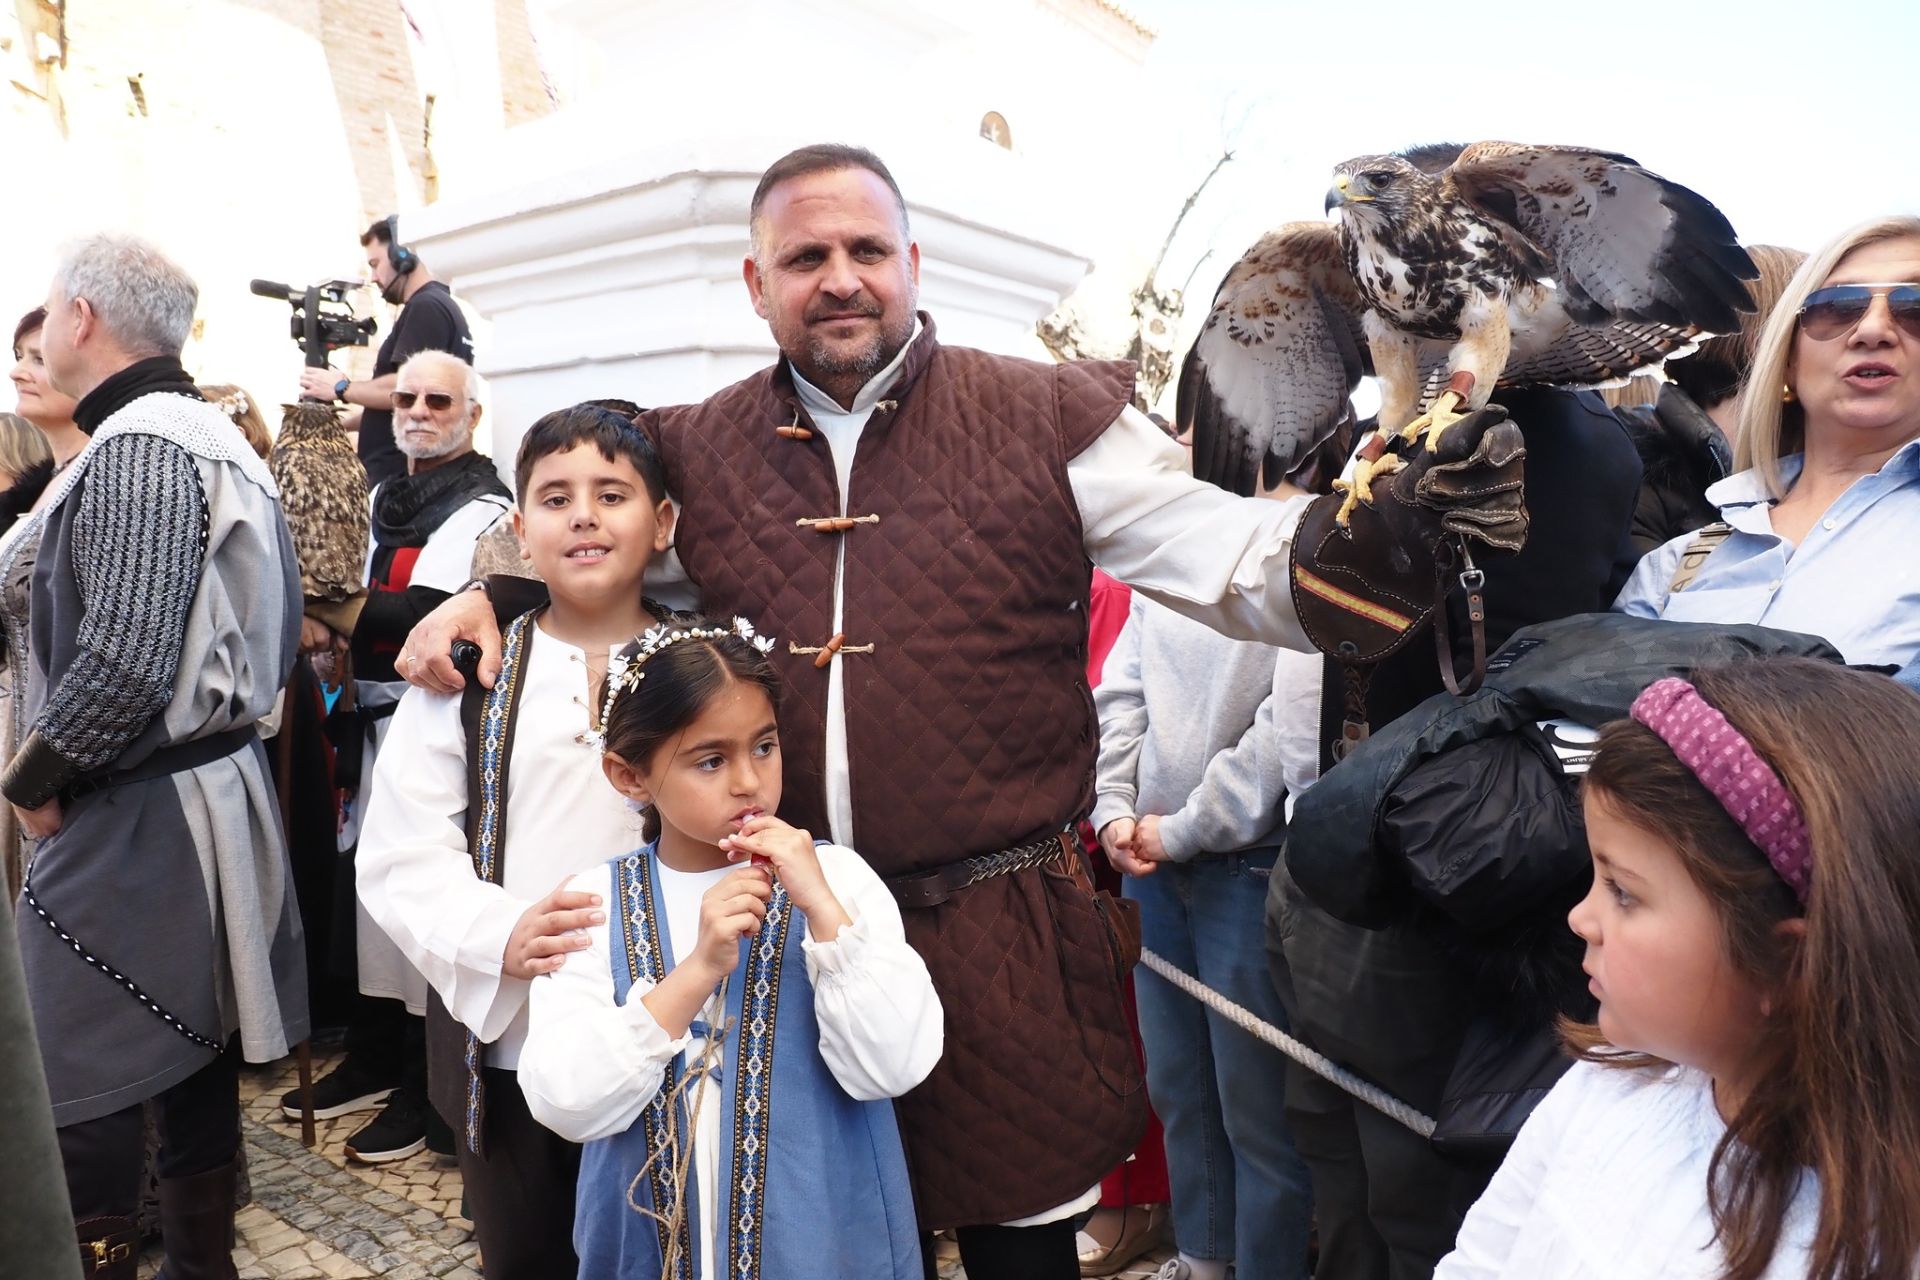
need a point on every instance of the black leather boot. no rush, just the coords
(109, 1248)
(196, 1225)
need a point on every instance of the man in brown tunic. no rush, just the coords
(915, 523)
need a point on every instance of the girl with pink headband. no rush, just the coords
(1747, 1106)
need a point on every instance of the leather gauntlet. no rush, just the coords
(1362, 592)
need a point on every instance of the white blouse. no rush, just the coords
(589, 1066)
(415, 873)
(1608, 1181)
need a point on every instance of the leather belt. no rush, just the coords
(931, 888)
(174, 759)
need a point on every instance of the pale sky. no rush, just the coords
(1797, 119)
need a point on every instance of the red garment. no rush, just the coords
(1143, 1178)
(1106, 613)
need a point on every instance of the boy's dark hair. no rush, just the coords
(611, 432)
(681, 679)
(378, 231)
(625, 408)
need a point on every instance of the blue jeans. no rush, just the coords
(1240, 1190)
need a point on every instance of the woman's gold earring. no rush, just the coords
(1786, 393)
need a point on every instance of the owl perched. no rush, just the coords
(323, 490)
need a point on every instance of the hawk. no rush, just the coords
(1451, 271)
(323, 491)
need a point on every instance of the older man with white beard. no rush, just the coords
(424, 528)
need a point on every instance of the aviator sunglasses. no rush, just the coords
(438, 401)
(1835, 310)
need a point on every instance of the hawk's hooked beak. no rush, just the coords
(1342, 193)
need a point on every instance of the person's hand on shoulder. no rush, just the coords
(548, 930)
(426, 659)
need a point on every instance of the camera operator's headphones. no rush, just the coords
(402, 259)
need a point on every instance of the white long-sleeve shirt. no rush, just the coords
(415, 873)
(590, 1066)
(1191, 546)
(1608, 1181)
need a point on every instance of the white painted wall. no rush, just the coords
(604, 243)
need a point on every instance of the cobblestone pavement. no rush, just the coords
(317, 1216)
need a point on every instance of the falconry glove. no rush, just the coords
(1363, 592)
(1475, 480)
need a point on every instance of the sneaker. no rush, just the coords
(347, 1088)
(1173, 1269)
(396, 1133)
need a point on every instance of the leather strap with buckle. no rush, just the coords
(931, 888)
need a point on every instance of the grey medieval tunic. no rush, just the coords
(161, 918)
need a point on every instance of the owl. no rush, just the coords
(323, 490)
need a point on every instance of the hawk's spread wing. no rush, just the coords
(1623, 244)
(1265, 388)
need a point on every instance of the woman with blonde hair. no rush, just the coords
(1684, 426)
(1820, 516)
(22, 448)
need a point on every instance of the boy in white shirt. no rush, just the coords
(470, 884)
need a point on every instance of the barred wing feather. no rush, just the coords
(1266, 387)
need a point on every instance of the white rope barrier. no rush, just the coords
(1374, 1096)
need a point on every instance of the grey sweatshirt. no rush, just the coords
(1190, 730)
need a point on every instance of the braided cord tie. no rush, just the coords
(1374, 1096)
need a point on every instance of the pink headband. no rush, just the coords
(1727, 765)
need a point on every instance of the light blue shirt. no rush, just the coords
(1854, 581)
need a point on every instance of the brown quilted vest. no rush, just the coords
(970, 726)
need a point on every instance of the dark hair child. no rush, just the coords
(727, 1045)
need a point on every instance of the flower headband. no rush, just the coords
(1727, 765)
(234, 406)
(661, 636)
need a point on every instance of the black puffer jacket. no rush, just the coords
(1681, 453)
(1458, 804)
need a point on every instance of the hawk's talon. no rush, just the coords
(1360, 488)
(1426, 428)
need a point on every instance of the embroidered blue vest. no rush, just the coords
(813, 1183)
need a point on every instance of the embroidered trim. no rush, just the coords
(1351, 603)
(639, 928)
(133, 988)
(493, 749)
(752, 1088)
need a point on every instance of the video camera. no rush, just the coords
(323, 319)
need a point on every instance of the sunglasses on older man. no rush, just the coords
(438, 401)
(1830, 312)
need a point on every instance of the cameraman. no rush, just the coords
(429, 320)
